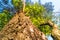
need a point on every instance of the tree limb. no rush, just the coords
(55, 33)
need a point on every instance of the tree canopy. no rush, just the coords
(38, 14)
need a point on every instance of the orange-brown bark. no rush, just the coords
(21, 28)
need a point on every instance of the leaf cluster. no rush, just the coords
(5, 16)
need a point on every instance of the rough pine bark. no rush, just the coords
(21, 28)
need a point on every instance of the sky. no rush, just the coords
(56, 4)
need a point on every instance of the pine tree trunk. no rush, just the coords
(21, 28)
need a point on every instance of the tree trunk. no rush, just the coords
(23, 5)
(21, 28)
(55, 31)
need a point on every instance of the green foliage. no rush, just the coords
(5, 16)
(35, 12)
(17, 4)
(38, 15)
(46, 29)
